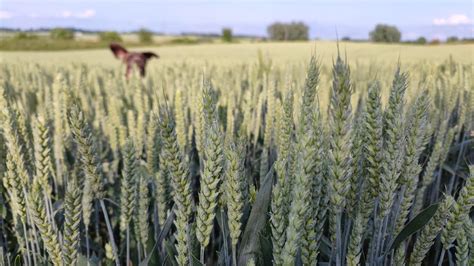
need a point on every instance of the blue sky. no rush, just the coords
(432, 19)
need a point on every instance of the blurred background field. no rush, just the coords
(284, 52)
(368, 61)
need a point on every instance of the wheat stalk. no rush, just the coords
(72, 219)
(461, 208)
(211, 173)
(178, 169)
(234, 194)
(429, 232)
(340, 161)
(45, 227)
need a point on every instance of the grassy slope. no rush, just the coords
(245, 52)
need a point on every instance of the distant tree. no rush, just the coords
(385, 33)
(421, 40)
(227, 35)
(346, 38)
(277, 31)
(61, 34)
(452, 39)
(288, 31)
(145, 36)
(25, 36)
(435, 41)
(110, 36)
(298, 31)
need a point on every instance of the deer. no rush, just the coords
(139, 59)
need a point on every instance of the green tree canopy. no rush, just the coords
(421, 40)
(288, 31)
(145, 35)
(25, 36)
(385, 33)
(227, 35)
(61, 34)
(452, 39)
(110, 36)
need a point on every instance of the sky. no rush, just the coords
(433, 19)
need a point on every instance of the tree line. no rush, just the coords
(382, 33)
(278, 31)
(65, 34)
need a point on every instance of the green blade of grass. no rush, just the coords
(414, 225)
(257, 220)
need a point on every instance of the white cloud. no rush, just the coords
(82, 15)
(453, 20)
(66, 14)
(86, 14)
(5, 14)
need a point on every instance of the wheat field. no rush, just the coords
(245, 52)
(241, 154)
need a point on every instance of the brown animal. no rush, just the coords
(132, 58)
